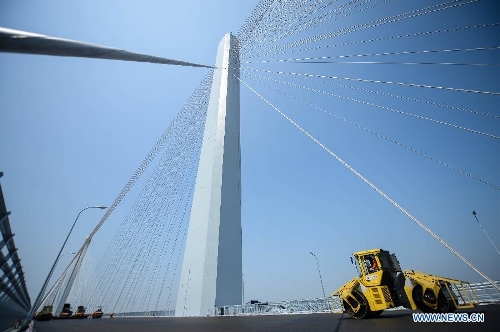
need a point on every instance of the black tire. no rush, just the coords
(418, 298)
(445, 306)
(376, 313)
(364, 310)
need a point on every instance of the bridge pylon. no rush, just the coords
(211, 273)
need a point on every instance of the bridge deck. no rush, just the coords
(388, 321)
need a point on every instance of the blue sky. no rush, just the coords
(74, 130)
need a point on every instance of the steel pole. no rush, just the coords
(36, 303)
(319, 272)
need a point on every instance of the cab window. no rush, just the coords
(356, 264)
(370, 264)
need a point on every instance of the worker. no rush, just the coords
(371, 264)
(374, 264)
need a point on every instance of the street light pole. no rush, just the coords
(474, 213)
(319, 272)
(243, 288)
(36, 304)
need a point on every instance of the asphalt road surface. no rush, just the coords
(388, 321)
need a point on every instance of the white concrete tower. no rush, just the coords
(212, 267)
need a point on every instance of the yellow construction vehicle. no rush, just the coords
(382, 285)
(98, 313)
(45, 313)
(80, 312)
(66, 311)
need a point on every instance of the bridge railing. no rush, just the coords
(14, 298)
(304, 306)
(485, 292)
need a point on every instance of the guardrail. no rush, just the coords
(14, 298)
(485, 292)
(305, 306)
